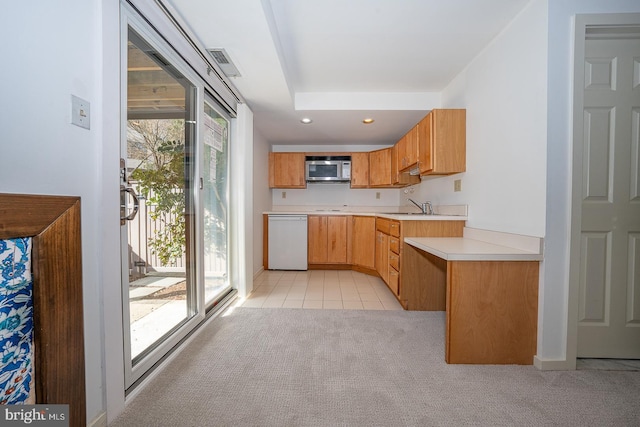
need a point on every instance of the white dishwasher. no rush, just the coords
(287, 242)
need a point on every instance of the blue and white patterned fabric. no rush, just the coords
(16, 322)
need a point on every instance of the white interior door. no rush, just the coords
(609, 304)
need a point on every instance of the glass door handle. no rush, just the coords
(123, 204)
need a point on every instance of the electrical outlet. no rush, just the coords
(377, 194)
(457, 185)
(284, 194)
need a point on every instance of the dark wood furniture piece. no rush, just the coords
(54, 224)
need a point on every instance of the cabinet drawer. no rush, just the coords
(394, 245)
(394, 280)
(394, 261)
(382, 224)
(394, 228)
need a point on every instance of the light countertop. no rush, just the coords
(466, 249)
(395, 216)
(443, 213)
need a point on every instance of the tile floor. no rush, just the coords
(321, 289)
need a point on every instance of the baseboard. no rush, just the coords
(554, 364)
(257, 273)
(99, 421)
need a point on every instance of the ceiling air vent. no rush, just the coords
(222, 59)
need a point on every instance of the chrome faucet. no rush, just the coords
(425, 207)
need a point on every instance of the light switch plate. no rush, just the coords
(80, 112)
(457, 185)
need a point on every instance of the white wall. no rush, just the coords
(45, 62)
(261, 195)
(242, 201)
(554, 296)
(504, 92)
(110, 114)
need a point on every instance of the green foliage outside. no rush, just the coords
(160, 177)
(161, 181)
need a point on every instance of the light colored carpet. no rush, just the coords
(295, 367)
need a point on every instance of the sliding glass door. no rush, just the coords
(174, 198)
(215, 200)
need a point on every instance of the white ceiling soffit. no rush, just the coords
(339, 61)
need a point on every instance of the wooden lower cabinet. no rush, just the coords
(394, 264)
(363, 239)
(390, 257)
(382, 255)
(394, 281)
(327, 239)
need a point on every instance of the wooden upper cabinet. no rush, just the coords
(442, 146)
(383, 169)
(359, 170)
(286, 170)
(408, 150)
(400, 179)
(380, 168)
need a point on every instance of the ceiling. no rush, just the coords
(339, 61)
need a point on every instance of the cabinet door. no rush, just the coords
(401, 151)
(411, 153)
(425, 143)
(394, 281)
(408, 150)
(382, 255)
(400, 179)
(317, 239)
(364, 238)
(442, 142)
(336, 239)
(359, 170)
(380, 168)
(286, 170)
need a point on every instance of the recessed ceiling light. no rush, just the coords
(306, 120)
(368, 121)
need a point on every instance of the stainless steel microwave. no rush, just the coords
(328, 168)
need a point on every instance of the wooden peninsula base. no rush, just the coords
(492, 312)
(491, 305)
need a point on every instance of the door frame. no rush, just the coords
(582, 22)
(133, 373)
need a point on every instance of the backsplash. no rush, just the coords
(340, 195)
